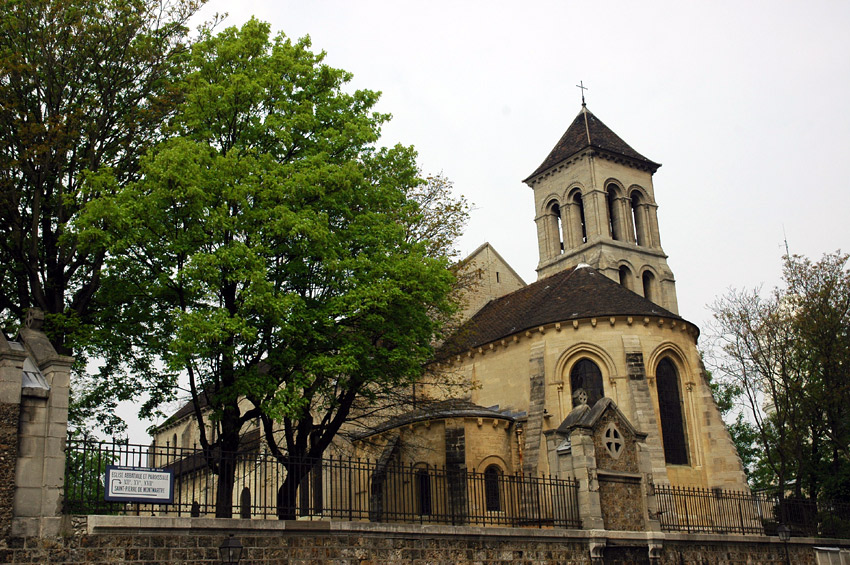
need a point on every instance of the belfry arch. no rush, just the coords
(554, 228)
(577, 218)
(617, 227)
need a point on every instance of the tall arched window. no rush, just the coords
(649, 286)
(555, 227)
(586, 383)
(423, 491)
(670, 413)
(614, 221)
(245, 503)
(625, 277)
(637, 218)
(492, 494)
(579, 204)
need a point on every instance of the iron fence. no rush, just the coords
(740, 512)
(334, 487)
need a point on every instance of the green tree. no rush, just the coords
(276, 251)
(84, 88)
(789, 356)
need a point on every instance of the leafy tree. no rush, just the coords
(84, 88)
(789, 355)
(279, 254)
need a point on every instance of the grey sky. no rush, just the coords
(744, 104)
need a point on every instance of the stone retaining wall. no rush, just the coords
(183, 541)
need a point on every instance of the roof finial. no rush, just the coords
(583, 88)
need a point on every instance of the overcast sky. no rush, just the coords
(744, 103)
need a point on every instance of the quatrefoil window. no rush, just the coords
(613, 441)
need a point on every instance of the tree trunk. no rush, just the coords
(227, 462)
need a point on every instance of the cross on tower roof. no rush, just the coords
(583, 88)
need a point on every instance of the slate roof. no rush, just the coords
(452, 408)
(580, 292)
(588, 131)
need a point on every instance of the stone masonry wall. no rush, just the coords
(148, 541)
(9, 414)
(622, 504)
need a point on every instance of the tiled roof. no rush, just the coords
(452, 408)
(588, 131)
(581, 292)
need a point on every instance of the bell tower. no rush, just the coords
(594, 203)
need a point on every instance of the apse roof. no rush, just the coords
(580, 292)
(452, 408)
(588, 131)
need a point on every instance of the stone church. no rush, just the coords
(588, 374)
(597, 338)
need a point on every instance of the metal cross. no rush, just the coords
(583, 88)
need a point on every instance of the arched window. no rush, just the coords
(245, 503)
(649, 286)
(423, 491)
(670, 413)
(586, 383)
(555, 227)
(579, 204)
(625, 277)
(614, 221)
(637, 219)
(492, 494)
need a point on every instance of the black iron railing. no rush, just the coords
(740, 512)
(334, 487)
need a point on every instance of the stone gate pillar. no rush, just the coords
(34, 387)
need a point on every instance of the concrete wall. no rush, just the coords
(148, 540)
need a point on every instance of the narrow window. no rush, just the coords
(492, 496)
(497, 276)
(423, 492)
(555, 227)
(649, 286)
(586, 383)
(614, 224)
(577, 201)
(245, 503)
(670, 413)
(625, 277)
(637, 219)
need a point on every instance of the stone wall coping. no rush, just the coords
(185, 525)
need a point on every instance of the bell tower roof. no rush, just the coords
(588, 131)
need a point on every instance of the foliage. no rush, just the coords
(788, 355)
(279, 256)
(84, 88)
(85, 472)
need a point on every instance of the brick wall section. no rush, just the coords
(9, 414)
(300, 543)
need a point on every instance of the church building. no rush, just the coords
(598, 333)
(587, 375)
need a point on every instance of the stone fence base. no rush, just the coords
(147, 540)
